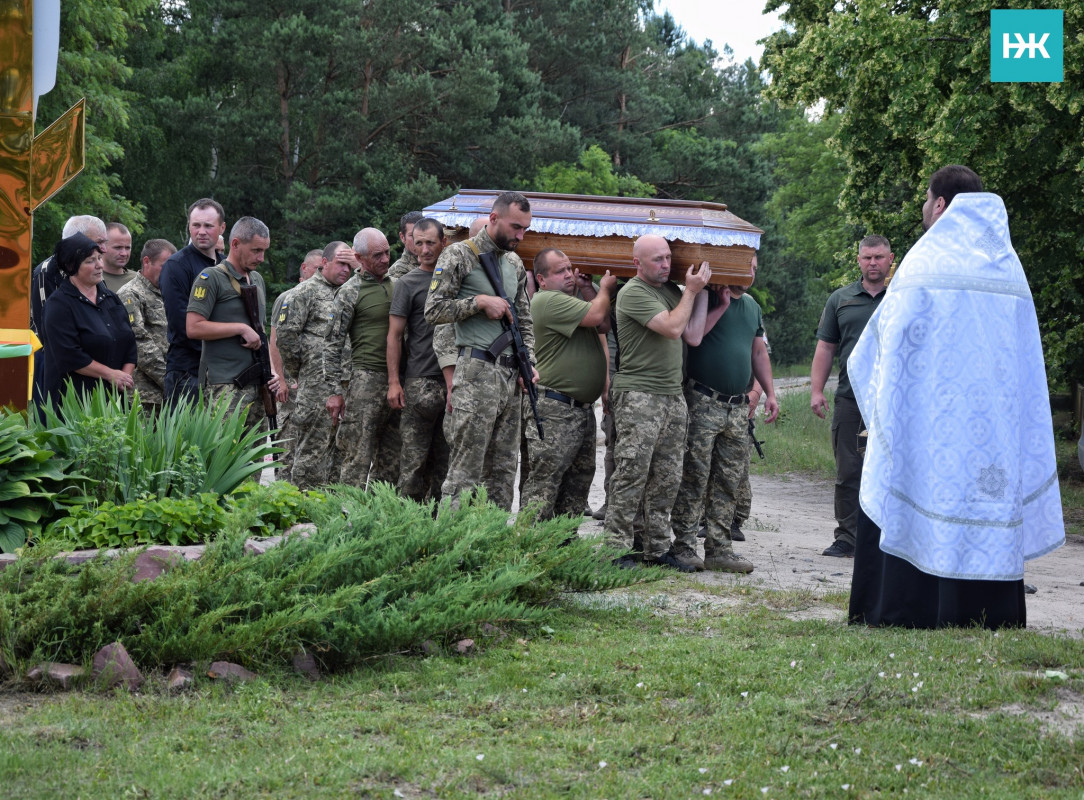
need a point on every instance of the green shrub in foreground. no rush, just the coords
(380, 575)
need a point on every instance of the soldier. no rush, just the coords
(572, 374)
(483, 427)
(143, 301)
(229, 365)
(301, 328)
(720, 363)
(422, 394)
(206, 222)
(653, 316)
(361, 310)
(115, 256)
(409, 259)
(310, 265)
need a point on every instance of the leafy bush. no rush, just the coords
(380, 575)
(166, 520)
(33, 487)
(274, 507)
(183, 450)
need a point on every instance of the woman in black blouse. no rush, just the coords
(88, 338)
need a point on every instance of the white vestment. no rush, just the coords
(959, 471)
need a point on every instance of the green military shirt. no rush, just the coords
(360, 310)
(844, 318)
(723, 359)
(459, 278)
(649, 361)
(214, 298)
(570, 358)
(408, 302)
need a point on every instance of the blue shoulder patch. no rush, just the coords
(203, 275)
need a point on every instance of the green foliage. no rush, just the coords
(186, 449)
(166, 520)
(911, 85)
(797, 442)
(594, 175)
(33, 486)
(274, 507)
(380, 575)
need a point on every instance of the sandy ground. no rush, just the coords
(792, 523)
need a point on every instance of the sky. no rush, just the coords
(738, 23)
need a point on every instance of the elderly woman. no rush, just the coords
(88, 338)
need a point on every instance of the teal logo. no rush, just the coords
(1026, 46)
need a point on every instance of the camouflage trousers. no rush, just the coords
(716, 462)
(744, 496)
(314, 440)
(248, 397)
(287, 436)
(483, 431)
(423, 459)
(563, 465)
(647, 468)
(363, 429)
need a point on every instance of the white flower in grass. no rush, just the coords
(833, 745)
(703, 770)
(858, 751)
(899, 767)
(728, 781)
(640, 685)
(880, 674)
(397, 793)
(845, 786)
(707, 791)
(480, 756)
(916, 761)
(763, 789)
(745, 694)
(602, 765)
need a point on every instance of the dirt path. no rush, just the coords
(792, 523)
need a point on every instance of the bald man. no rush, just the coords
(650, 415)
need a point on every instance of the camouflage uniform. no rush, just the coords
(571, 376)
(302, 325)
(424, 458)
(360, 310)
(650, 421)
(716, 463)
(407, 261)
(288, 433)
(222, 360)
(483, 427)
(147, 314)
(717, 454)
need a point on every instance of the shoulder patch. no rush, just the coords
(203, 275)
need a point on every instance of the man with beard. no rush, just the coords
(960, 479)
(844, 318)
(719, 367)
(484, 422)
(301, 329)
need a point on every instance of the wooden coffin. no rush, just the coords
(597, 233)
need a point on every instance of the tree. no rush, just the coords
(89, 65)
(594, 175)
(911, 83)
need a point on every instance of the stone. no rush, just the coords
(152, 562)
(305, 663)
(63, 674)
(112, 666)
(179, 679)
(464, 646)
(228, 671)
(429, 647)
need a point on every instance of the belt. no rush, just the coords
(729, 399)
(485, 355)
(564, 398)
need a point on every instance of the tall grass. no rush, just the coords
(798, 441)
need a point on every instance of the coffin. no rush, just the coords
(597, 233)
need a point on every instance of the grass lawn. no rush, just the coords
(672, 690)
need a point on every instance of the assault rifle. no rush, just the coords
(753, 435)
(250, 296)
(512, 336)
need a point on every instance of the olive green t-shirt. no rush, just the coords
(369, 328)
(649, 361)
(570, 358)
(214, 298)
